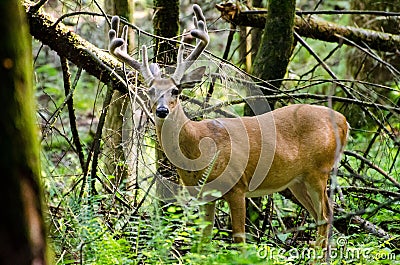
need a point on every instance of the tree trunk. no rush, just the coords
(277, 42)
(115, 161)
(22, 233)
(274, 51)
(166, 24)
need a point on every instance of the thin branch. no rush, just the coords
(371, 143)
(97, 137)
(366, 190)
(345, 89)
(362, 223)
(315, 28)
(332, 12)
(52, 119)
(375, 167)
(298, 96)
(70, 105)
(95, 147)
(390, 67)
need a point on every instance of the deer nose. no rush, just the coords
(162, 112)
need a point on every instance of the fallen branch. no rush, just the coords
(71, 46)
(313, 27)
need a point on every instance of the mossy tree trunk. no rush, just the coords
(166, 24)
(22, 233)
(277, 42)
(275, 49)
(114, 156)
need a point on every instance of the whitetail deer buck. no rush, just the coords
(293, 147)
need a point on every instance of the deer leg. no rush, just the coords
(314, 198)
(208, 214)
(237, 206)
(323, 219)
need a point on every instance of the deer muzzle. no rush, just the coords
(162, 112)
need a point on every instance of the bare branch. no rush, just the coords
(72, 46)
(375, 167)
(312, 27)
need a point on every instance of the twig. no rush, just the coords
(95, 147)
(102, 12)
(373, 166)
(97, 138)
(344, 88)
(298, 96)
(52, 119)
(390, 67)
(332, 12)
(370, 190)
(371, 143)
(70, 105)
(364, 224)
(225, 56)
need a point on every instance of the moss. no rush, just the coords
(277, 42)
(166, 24)
(21, 232)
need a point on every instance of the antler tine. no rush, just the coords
(119, 48)
(145, 68)
(201, 34)
(124, 36)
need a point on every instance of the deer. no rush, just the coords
(293, 147)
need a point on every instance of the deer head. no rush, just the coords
(163, 91)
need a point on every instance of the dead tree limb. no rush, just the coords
(71, 46)
(316, 28)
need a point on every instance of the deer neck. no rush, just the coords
(176, 126)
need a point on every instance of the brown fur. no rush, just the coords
(308, 140)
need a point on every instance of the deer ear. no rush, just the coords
(155, 70)
(190, 79)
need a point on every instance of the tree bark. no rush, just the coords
(313, 27)
(277, 42)
(166, 24)
(71, 46)
(113, 151)
(274, 51)
(22, 232)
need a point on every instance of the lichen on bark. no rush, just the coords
(277, 42)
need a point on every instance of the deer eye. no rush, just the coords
(151, 91)
(175, 92)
